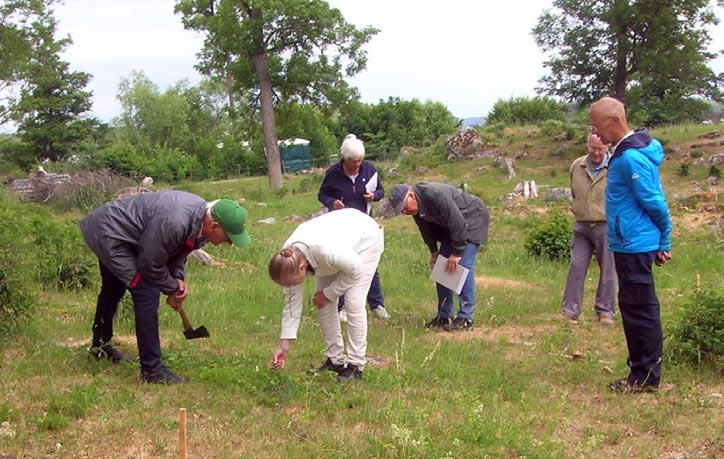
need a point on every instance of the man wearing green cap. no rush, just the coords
(142, 243)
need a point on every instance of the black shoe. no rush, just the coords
(459, 324)
(437, 322)
(349, 373)
(622, 386)
(328, 366)
(107, 351)
(162, 376)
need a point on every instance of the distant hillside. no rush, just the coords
(476, 121)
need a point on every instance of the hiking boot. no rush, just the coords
(458, 324)
(572, 319)
(349, 373)
(107, 351)
(342, 315)
(622, 386)
(328, 365)
(162, 376)
(437, 322)
(605, 320)
(381, 313)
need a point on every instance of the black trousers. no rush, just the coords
(641, 315)
(146, 299)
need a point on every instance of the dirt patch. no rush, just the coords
(378, 361)
(512, 334)
(487, 282)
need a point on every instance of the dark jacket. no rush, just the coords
(146, 236)
(447, 213)
(338, 185)
(637, 213)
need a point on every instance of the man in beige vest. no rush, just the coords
(588, 187)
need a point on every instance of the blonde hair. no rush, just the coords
(352, 148)
(285, 263)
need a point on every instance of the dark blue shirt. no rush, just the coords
(338, 185)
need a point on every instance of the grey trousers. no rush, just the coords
(589, 238)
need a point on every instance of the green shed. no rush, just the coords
(296, 155)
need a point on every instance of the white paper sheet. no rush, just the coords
(452, 281)
(370, 187)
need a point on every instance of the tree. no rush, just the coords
(291, 51)
(652, 49)
(53, 98)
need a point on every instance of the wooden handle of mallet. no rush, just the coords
(182, 433)
(185, 319)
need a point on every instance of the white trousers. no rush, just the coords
(354, 304)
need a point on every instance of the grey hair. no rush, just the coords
(352, 148)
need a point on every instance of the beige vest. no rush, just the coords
(589, 194)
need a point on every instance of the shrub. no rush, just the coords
(683, 170)
(550, 240)
(697, 333)
(696, 154)
(525, 110)
(714, 172)
(15, 301)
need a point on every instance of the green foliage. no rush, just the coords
(655, 53)
(15, 299)
(714, 172)
(697, 333)
(526, 110)
(696, 154)
(388, 125)
(73, 403)
(551, 239)
(683, 170)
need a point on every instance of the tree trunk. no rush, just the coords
(620, 27)
(273, 162)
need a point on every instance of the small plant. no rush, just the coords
(551, 240)
(696, 154)
(714, 172)
(15, 303)
(697, 333)
(683, 170)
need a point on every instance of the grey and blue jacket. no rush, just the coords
(338, 185)
(637, 214)
(147, 236)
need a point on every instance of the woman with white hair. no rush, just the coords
(342, 250)
(354, 183)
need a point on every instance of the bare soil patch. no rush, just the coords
(489, 282)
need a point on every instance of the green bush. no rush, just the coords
(683, 170)
(714, 172)
(525, 110)
(696, 154)
(15, 301)
(696, 335)
(550, 240)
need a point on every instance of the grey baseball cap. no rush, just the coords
(397, 197)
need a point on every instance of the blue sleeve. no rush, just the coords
(326, 191)
(650, 196)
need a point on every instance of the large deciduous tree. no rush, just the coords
(288, 50)
(640, 51)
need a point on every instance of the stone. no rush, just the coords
(421, 170)
(464, 144)
(392, 172)
(558, 194)
(406, 150)
(261, 204)
(717, 159)
(712, 181)
(267, 221)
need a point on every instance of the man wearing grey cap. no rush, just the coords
(453, 224)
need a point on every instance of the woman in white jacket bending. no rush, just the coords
(342, 250)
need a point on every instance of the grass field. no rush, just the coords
(523, 383)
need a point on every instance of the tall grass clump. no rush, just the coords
(550, 240)
(696, 335)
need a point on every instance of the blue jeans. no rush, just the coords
(374, 295)
(467, 294)
(146, 297)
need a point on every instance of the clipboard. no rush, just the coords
(452, 281)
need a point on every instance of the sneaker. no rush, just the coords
(381, 313)
(349, 373)
(437, 322)
(622, 386)
(572, 319)
(458, 324)
(328, 365)
(107, 351)
(605, 320)
(162, 376)
(342, 315)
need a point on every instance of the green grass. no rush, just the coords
(525, 383)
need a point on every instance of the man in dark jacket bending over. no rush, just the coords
(457, 221)
(142, 243)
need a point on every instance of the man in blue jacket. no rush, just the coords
(354, 183)
(639, 234)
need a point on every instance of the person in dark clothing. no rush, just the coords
(453, 224)
(639, 234)
(354, 183)
(142, 243)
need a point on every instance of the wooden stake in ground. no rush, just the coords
(182, 433)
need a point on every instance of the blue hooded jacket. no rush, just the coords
(338, 185)
(637, 214)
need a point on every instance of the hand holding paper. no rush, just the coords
(454, 281)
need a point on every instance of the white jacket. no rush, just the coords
(331, 243)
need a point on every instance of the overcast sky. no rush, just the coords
(465, 54)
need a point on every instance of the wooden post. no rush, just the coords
(182, 433)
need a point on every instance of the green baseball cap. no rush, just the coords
(232, 218)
